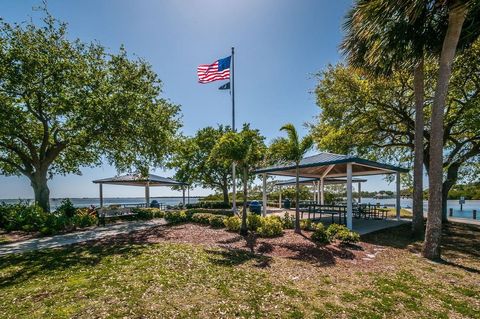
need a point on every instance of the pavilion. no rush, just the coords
(325, 166)
(138, 180)
(315, 183)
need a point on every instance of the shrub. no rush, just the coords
(254, 222)
(342, 233)
(84, 217)
(288, 221)
(319, 234)
(22, 216)
(347, 236)
(271, 226)
(306, 224)
(217, 221)
(202, 218)
(333, 229)
(233, 223)
(210, 211)
(66, 208)
(147, 213)
(175, 217)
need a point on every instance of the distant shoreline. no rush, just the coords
(84, 198)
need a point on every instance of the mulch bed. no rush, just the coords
(290, 245)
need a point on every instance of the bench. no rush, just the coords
(111, 213)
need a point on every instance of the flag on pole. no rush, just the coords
(226, 86)
(219, 70)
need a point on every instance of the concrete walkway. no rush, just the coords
(78, 237)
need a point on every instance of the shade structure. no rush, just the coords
(324, 166)
(310, 180)
(146, 181)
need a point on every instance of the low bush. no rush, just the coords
(202, 218)
(176, 217)
(31, 218)
(342, 233)
(233, 223)
(210, 211)
(319, 234)
(288, 221)
(306, 224)
(147, 213)
(254, 222)
(271, 226)
(217, 221)
(209, 205)
(66, 208)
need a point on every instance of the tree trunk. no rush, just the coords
(243, 228)
(417, 209)
(456, 17)
(225, 194)
(40, 188)
(297, 202)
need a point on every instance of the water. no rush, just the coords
(466, 212)
(87, 202)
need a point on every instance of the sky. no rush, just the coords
(279, 46)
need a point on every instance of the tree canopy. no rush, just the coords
(374, 116)
(67, 104)
(194, 164)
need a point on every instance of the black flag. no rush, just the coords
(226, 86)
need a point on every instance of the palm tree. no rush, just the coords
(292, 149)
(380, 43)
(246, 149)
(424, 21)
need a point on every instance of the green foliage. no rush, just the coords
(342, 233)
(66, 208)
(288, 221)
(360, 114)
(290, 149)
(176, 217)
(217, 221)
(147, 213)
(470, 191)
(201, 218)
(319, 234)
(68, 104)
(209, 211)
(233, 223)
(210, 204)
(254, 222)
(194, 165)
(306, 224)
(271, 226)
(31, 218)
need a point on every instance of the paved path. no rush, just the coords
(78, 237)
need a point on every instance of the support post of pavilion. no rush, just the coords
(183, 196)
(359, 192)
(321, 191)
(100, 185)
(349, 197)
(279, 197)
(147, 194)
(397, 205)
(264, 195)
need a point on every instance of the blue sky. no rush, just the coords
(279, 45)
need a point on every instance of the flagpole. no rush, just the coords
(232, 91)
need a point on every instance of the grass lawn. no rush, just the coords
(166, 273)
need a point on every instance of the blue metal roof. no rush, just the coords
(325, 159)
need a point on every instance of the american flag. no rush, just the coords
(220, 70)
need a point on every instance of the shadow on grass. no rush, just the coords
(396, 237)
(45, 262)
(235, 257)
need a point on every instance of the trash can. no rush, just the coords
(287, 204)
(255, 207)
(155, 204)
